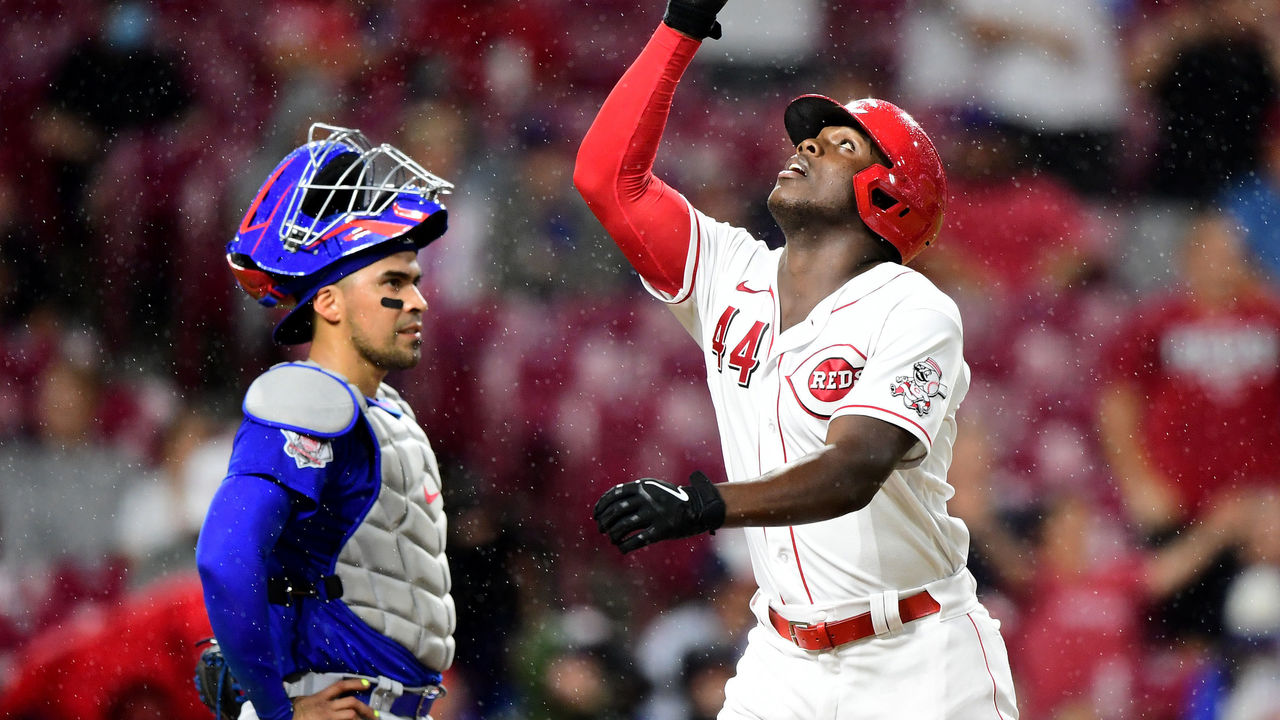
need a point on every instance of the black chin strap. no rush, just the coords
(392, 303)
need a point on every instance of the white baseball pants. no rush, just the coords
(932, 669)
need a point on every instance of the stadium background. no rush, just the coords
(1115, 168)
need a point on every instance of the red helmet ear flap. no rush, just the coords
(260, 285)
(884, 203)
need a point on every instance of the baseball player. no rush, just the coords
(322, 554)
(836, 372)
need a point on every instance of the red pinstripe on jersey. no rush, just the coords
(777, 416)
(697, 252)
(795, 548)
(995, 688)
(773, 311)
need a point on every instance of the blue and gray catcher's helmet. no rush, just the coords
(331, 207)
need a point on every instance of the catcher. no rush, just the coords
(322, 554)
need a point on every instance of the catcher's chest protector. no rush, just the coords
(394, 573)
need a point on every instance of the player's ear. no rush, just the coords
(328, 303)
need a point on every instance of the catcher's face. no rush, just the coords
(387, 337)
(817, 182)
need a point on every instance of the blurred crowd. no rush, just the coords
(1112, 239)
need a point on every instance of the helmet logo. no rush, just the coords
(409, 213)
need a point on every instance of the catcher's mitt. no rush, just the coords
(215, 684)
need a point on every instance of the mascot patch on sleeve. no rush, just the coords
(306, 451)
(920, 387)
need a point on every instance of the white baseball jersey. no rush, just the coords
(887, 345)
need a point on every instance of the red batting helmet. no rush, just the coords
(902, 203)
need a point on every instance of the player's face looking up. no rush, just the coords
(816, 184)
(386, 337)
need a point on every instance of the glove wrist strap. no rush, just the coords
(691, 20)
(710, 503)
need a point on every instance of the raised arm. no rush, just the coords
(648, 219)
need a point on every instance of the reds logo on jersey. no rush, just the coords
(833, 379)
(920, 387)
(824, 379)
(306, 451)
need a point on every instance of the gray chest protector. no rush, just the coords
(395, 576)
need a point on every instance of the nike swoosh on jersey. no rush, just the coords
(742, 287)
(679, 493)
(430, 496)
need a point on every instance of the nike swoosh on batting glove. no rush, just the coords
(644, 511)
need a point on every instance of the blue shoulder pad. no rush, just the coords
(304, 398)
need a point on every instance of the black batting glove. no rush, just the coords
(645, 511)
(696, 18)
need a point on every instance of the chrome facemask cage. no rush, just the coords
(376, 177)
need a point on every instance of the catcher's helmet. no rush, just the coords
(331, 207)
(902, 203)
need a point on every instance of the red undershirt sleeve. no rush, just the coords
(648, 219)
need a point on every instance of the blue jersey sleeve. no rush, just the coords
(244, 522)
(298, 462)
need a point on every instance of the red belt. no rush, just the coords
(826, 635)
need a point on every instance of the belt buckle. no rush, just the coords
(792, 625)
(820, 639)
(427, 698)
